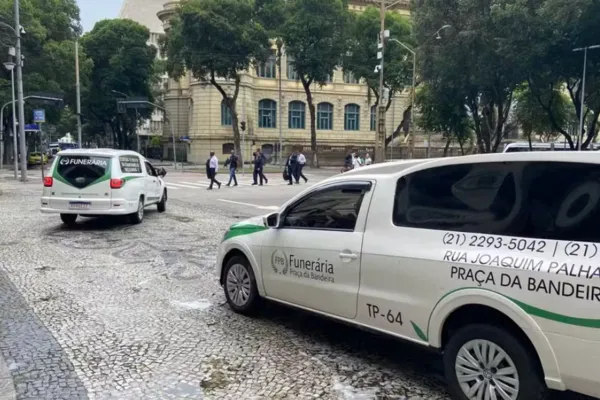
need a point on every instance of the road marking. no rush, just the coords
(185, 186)
(201, 184)
(172, 187)
(250, 205)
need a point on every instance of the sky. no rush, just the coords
(93, 11)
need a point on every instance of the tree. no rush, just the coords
(556, 28)
(215, 39)
(443, 111)
(314, 36)
(480, 58)
(123, 62)
(361, 58)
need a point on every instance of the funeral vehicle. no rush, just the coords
(102, 182)
(492, 260)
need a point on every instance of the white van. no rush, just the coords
(494, 260)
(92, 182)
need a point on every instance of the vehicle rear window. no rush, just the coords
(82, 171)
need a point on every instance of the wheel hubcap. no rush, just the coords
(485, 372)
(238, 285)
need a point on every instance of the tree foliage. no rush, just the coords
(215, 39)
(315, 36)
(123, 62)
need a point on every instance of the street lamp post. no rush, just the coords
(11, 66)
(22, 138)
(582, 105)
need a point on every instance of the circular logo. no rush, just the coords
(64, 161)
(279, 262)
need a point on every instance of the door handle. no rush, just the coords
(349, 256)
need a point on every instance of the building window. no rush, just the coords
(296, 115)
(225, 114)
(350, 78)
(228, 148)
(269, 68)
(267, 113)
(325, 116)
(291, 70)
(352, 117)
(373, 118)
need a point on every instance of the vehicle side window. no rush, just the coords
(334, 208)
(550, 200)
(130, 165)
(150, 169)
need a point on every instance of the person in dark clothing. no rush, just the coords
(301, 164)
(259, 163)
(212, 165)
(232, 162)
(292, 167)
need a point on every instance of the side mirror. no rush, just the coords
(162, 172)
(272, 221)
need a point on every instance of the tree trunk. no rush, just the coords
(448, 141)
(313, 126)
(236, 131)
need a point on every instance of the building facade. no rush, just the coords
(144, 12)
(345, 113)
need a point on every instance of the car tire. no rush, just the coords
(68, 219)
(138, 216)
(240, 288)
(510, 350)
(162, 204)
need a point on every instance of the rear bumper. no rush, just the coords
(54, 205)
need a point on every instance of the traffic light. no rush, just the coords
(243, 125)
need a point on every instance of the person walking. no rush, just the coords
(301, 164)
(368, 160)
(355, 161)
(292, 168)
(213, 166)
(232, 162)
(259, 162)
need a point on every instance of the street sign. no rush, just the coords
(39, 116)
(137, 102)
(32, 127)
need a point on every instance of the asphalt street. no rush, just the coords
(107, 310)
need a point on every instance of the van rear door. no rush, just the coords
(82, 182)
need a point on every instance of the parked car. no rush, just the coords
(36, 159)
(93, 182)
(492, 260)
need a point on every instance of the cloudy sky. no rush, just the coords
(93, 11)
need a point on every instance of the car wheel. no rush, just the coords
(240, 286)
(162, 204)
(485, 362)
(68, 219)
(138, 216)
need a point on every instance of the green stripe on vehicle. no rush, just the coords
(240, 230)
(528, 308)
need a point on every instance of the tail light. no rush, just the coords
(48, 181)
(117, 183)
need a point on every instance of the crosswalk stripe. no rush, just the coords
(185, 186)
(201, 184)
(172, 187)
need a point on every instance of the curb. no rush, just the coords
(7, 386)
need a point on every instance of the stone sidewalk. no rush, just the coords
(7, 387)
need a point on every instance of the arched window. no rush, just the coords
(374, 118)
(325, 116)
(267, 114)
(268, 69)
(225, 114)
(296, 115)
(228, 148)
(352, 117)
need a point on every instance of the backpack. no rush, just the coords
(293, 159)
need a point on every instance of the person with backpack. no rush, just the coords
(232, 162)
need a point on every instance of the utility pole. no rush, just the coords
(582, 106)
(380, 138)
(78, 88)
(280, 106)
(22, 138)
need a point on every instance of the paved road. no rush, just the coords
(112, 311)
